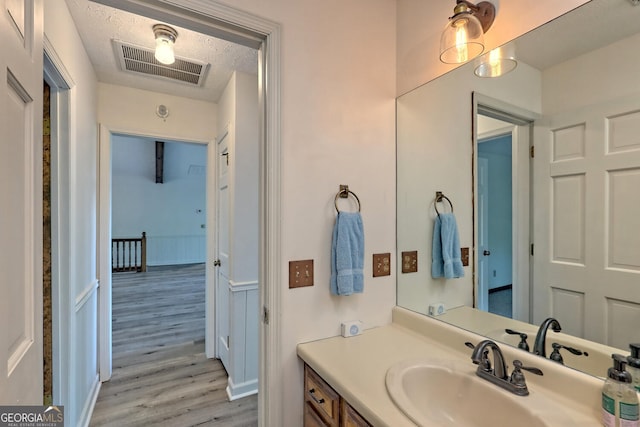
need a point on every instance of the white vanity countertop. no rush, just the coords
(356, 367)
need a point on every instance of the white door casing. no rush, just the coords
(519, 125)
(587, 257)
(231, 24)
(21, 68)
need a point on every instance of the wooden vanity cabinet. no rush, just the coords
(324, 407)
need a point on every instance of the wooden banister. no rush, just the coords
(129, 254)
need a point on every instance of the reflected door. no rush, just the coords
(587, 257)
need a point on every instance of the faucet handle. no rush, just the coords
(523, 338)
(517, 366)
(557, 357)
(517, 377)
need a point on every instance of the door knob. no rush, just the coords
(486, 252)
(217, 263)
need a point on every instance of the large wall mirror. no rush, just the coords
(556, 235)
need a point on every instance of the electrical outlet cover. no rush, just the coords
(381, 265)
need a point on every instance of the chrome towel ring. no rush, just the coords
(439, 197)
(343, 194)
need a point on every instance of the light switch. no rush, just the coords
(300, 273)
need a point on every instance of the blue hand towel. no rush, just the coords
(445, 254)
(347, 254)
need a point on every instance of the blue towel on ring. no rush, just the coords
(347, 254)
(445, 250)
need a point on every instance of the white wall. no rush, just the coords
(238, 107)
(420, 24)
(436, 156)
(607, 79)
(134, 110)
(172, 213)
(338, 91)
(81, 317)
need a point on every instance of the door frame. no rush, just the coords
(251, 30)
(58, 78)
(106, 132)
(482, 294)
(522, 140)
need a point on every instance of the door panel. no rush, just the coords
(21, 191)
(586, 176)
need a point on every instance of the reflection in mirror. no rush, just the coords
(576, 200)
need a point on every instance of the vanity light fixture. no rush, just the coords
(497, 62)
(463, 37)
(165, 39)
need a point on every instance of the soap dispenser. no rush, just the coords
(633, 365)
(619, 398)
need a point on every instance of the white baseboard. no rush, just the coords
(90, 403)
(238, 391)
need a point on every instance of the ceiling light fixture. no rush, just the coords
(165, 39)
(463, 37)
(496, 63)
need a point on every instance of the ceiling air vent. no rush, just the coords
(141, 60)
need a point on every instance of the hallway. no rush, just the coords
(160, 373)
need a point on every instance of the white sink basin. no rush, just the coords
(448, 393)
(443, 393)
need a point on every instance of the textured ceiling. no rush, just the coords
(98, 25)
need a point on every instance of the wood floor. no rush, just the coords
(161, 376)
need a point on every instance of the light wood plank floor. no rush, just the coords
(161, 376)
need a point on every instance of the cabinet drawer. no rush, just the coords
(321, 397)
(349, 417)
(311, 417)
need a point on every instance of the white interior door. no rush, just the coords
(586, 222)
(222, 230)
(21, 74)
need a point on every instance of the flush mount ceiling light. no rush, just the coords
(463, 37)
(165, 39)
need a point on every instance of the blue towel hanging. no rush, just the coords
(347, 254)
(445, 253)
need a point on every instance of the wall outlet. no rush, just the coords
(436, 309)
(352, 328)
(381, 265)
(300, 273)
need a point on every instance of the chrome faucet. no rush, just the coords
(539, 346)
(515, 383)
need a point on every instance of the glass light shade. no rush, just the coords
(462, 39)
(164, 51)
(496, 63)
